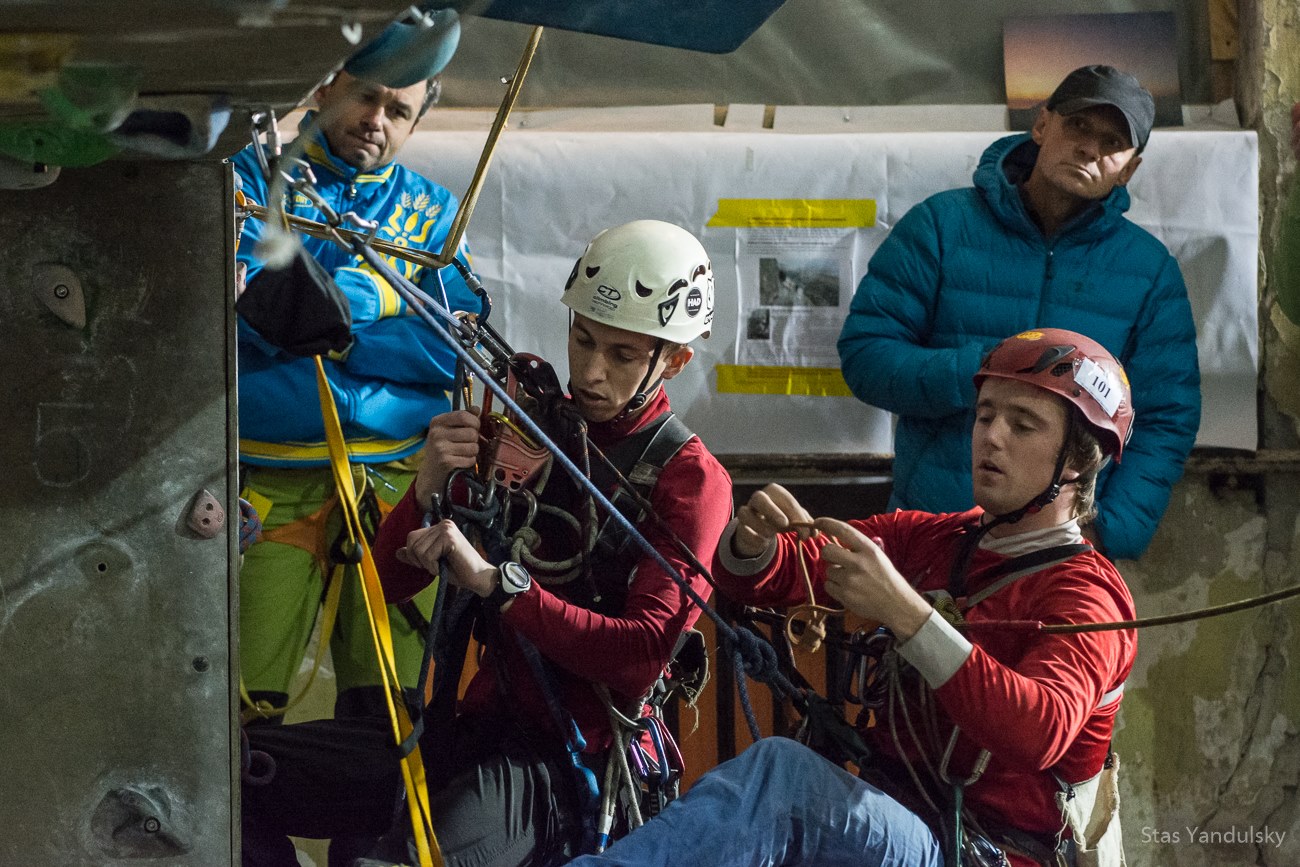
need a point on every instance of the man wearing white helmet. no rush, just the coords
(507, 773)
(669, 300)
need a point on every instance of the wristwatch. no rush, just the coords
(512, 580)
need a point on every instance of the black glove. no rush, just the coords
(298, 308)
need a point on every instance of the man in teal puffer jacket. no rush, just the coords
(1040, 241)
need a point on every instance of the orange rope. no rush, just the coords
(811, 616)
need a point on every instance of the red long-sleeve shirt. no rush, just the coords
(1034, 701)
(628, 652)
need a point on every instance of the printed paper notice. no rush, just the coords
(795, 285)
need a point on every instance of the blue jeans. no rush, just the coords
(778, 804)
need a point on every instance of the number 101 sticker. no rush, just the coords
(1100, 383)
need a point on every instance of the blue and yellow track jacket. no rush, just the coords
(396, 375)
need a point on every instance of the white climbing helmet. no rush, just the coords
(646, 276)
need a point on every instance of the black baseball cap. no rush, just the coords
(1105, 85)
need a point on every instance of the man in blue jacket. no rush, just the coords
(1041, 240)
(388, 383)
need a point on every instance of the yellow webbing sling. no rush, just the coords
(417, 793)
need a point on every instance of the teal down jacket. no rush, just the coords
(395, 377)
(966, 268)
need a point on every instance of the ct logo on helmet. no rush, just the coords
(605, 298)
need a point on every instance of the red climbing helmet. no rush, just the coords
(1075, 367)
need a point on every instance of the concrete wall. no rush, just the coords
(116, 742)
(1211, 725)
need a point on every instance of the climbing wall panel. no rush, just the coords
(116, 441)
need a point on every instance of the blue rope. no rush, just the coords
(749, 653)
(757, 657)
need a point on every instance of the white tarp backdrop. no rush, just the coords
(549, 191)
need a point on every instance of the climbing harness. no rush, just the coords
(883, 684)
(334, 560)
(586, 787)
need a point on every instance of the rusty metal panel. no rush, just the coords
(116, 604)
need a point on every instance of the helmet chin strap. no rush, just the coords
(957, 577)
(1038, 503)
(646, 388)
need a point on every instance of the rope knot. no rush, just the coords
(757, 656)
(526, 539)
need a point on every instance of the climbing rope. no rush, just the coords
(1142, 622)
(805, 625)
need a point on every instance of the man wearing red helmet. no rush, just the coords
(975, 708)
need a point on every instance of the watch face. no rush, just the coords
(514, 578)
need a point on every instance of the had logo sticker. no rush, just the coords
(694, 302)
(609, 292)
